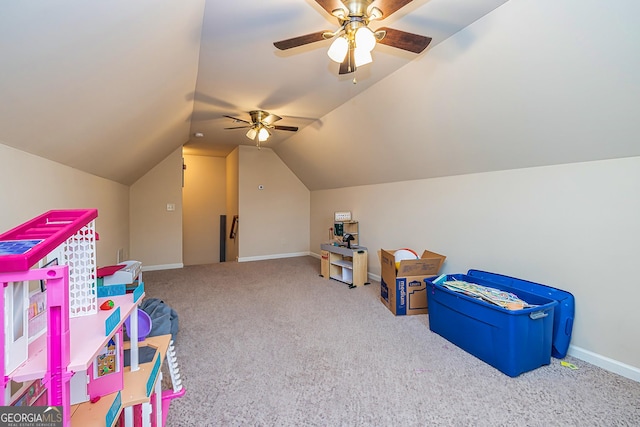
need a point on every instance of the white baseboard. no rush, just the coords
(606, 363)
(162, 267)
(274, 256)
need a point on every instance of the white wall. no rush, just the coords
(531, 84)
(156, 233)
(574, 227)
(203, 201)
(232, 168)
(274, 221)
(31, 185)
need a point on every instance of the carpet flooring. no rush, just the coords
(270, 343)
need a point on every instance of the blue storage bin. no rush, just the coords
(564, 312)
(512, 341)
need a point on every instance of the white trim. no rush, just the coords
(274, 256)
(162, 267)
(606, 363)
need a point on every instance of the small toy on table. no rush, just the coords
(107, 305)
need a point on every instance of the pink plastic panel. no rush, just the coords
(25, 245)
(103, 381)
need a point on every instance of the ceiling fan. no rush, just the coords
(261, 125)
(355, 41)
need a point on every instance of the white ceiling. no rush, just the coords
(111, 88)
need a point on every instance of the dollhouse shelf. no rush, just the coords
(25, 245)
(85, 342)
(92, 414)
(135, 391)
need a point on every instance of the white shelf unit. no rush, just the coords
(340, 228)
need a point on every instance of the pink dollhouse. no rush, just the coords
(59, 348)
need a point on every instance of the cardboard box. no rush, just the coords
(404, 291)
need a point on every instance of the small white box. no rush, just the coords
(342, 216)
(126, 275)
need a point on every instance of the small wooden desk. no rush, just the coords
(348, 265)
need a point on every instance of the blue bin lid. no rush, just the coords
(563, 314)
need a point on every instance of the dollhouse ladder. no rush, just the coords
(174, 370)
(178, 390)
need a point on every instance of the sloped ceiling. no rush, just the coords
(526, 86)
(99, 86)
(111, 88)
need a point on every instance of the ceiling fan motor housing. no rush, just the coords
(357, 7)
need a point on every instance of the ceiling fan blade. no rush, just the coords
(402, 40)
(240, 127)
(390, 6)
(330, 5)
(270, 119)
(300, 40)
(237, 119)
(349, 64)
(289, 128)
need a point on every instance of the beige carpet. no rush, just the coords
(270, 343)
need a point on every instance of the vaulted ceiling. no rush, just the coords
(111, 88)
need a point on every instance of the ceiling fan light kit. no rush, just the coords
(362, 57)
(365, 39)
(260, 132)
(362, 41)
(251, 133)
(263, 134)
(355, 40)
(338, 49)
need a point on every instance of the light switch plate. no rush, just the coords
(342, 216)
